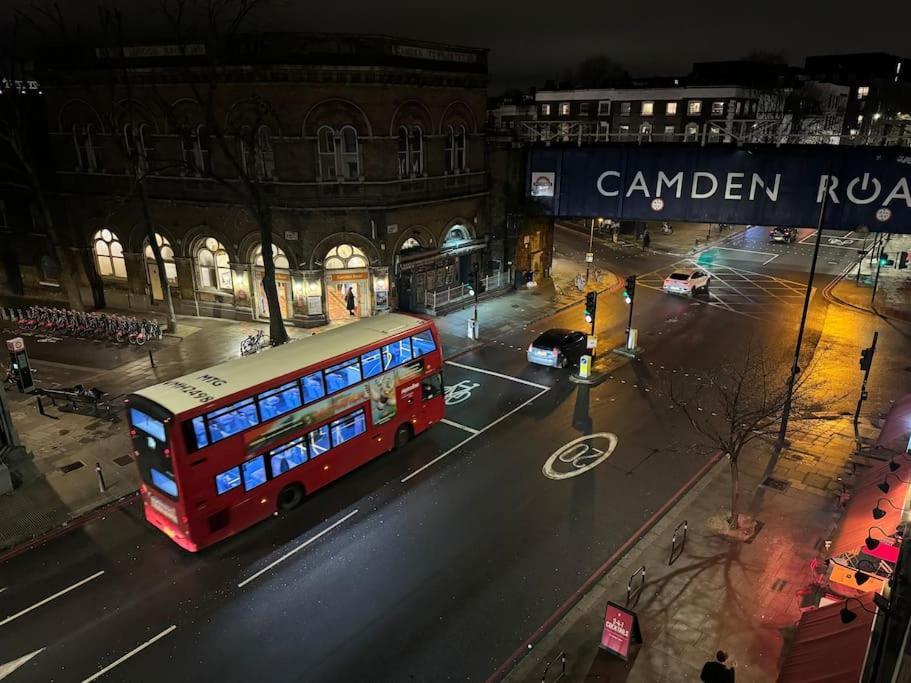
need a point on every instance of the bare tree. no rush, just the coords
(21, 153)
(241, 136)
(737, 403)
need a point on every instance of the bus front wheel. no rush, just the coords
(403, 435)
(290, 497)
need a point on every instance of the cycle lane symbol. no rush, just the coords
(579, 456)
(459, 392)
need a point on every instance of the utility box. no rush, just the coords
(633, 339)
(472, 332)
(585, 367)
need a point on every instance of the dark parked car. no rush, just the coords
(557, 348)
(786, 235)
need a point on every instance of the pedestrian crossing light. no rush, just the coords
(630, 290)
(591, 302)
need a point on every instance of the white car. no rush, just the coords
(687, 283)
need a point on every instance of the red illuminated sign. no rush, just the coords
(621, 628)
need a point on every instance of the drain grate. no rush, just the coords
(70, 467)
(124, 460)
(777, 484)
(778, 585)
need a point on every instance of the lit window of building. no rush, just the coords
(863, 92)
(694, 107)
(670, 108)
(564, 109)
(648, 108)
(717, 108)
(545, 110)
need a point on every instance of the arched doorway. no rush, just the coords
(282, 282)
(347, 282)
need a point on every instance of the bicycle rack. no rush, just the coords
(676, 552)
(562, 658)
(629, 585)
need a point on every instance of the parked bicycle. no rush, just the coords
(253, 344)
(102, 326)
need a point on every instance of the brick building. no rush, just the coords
(370, 150)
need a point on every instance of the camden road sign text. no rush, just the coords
(787, 186)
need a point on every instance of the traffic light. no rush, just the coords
(630, 290)
(902, 260)
(883, 258)
(591, 303)
(866, 358)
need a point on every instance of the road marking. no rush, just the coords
(768, 261)
(497, 374)
(458, 392)
(52, 597)
(543, 391)
(129, 654)
(298, 548)
(748, 251)
(471, 430)
(582, 456)
(12, 665)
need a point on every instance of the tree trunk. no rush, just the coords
(171, 323)
(734, 520)
(277, 333)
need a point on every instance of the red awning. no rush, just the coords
(826, 650)
(858, 517)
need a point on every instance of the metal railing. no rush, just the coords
(721, 131)
(437, 299)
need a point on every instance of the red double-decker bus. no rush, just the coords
(223, 448)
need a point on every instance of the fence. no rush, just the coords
(433, 301)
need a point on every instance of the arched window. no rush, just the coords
(691, 132)
(278, 258)
(411, 152)
(345, 256)
(265, 157)
(349, 158)
(85, 148)
(214, 266)
(339, 156)
(137, 140)
(201, 149)
(325, 147)
(456, 234)
(410, 243)
(109, 254)
(456, 152)
(645, 129)
(167, 255)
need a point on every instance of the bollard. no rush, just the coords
(151, 359)
(101, 485)
(629, 584)
(675, 552)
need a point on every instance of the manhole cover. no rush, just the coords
(124, 460)
(777, 484)
(69, 467)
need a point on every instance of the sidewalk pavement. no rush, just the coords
(744, 598)
(893, 290)
(687, 238)
(58, 483)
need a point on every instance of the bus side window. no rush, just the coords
(371, 363)
(423, 343)
(432, 386)
(313, 387)
(319, 441)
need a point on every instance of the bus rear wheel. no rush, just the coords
(403, 435)
(290, 497)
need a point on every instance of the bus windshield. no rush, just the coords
(151, 444)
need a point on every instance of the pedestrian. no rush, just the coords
(646, 240)
(716, 671)
(349, 301)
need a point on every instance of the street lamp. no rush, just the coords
(884, 485)
(879, 513)
(847, 616)
(871, 542)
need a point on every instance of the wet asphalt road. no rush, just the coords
(417, 566)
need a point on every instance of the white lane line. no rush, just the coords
(52, 597)
(497, 374)
(297, 549)
(129, 654)
(767, 262)
(480, 431)
(748, 251)
(12, 665)
(2, 589)
(471, 430)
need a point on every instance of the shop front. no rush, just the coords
(436, 270)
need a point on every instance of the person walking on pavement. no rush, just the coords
(646, 240)
(716, 671)
(349, 301)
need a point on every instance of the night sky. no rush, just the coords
(534, 41)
